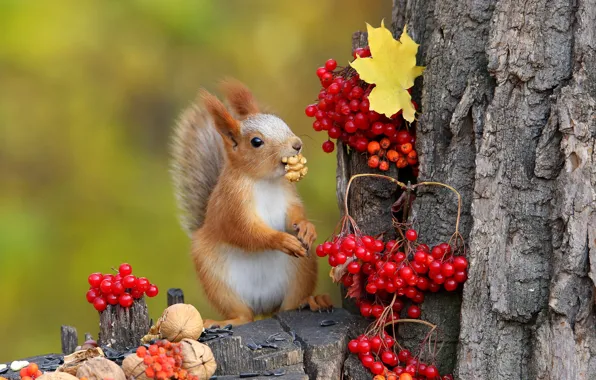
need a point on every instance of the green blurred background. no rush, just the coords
(89, 91)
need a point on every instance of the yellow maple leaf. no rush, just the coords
(392, 68)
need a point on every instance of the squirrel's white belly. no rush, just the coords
(262, 279)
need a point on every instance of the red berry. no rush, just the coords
(347, 281)
(434, 268)
(340, 258)
(353, 346)
(112, 299)
(320, 251)
(367, 360)
(389, 358)
(348, 244)
(334, 132)
(447, 270)
(375, 343)
(414, 311)
(334, 88)
(100, 304)
(142, 284)
(389, 269)
(422, 283)
(431, 372)
(125, 300)
(152, 291)
(321, 71)
(310, 111)
(389, 341)
(332, 260)
(371, 288)
(125, 269)
(129, 281)
(398, 305)
(460, 263)
(377, 368)
(365, 310)
(331, 64)
(361, 144)
(411, 235)
(364, 347)
(328, 146)
(106, 286)
(437, 253)
(95, 279)
(404, 355)
(117, 288)
(460, 276)
(354, 267)
(136, 294)
(406, 273)
(377, 310)
(446, 248)
(92, 294)
(450, 284)
(420, 257)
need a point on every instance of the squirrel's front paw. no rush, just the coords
(307, 233)
(290, 245)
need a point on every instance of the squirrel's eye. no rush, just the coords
(256, 142)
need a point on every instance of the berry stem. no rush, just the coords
(400, 184)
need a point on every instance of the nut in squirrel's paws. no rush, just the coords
(295, 167)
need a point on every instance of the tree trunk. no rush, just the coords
(508, 119)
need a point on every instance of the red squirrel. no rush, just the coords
(250, 235)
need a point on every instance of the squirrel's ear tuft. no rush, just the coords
(241, 99)
(227, 126)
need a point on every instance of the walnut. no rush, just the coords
(73, 361)
(57, 376)
(295, 167)
(134, 367)
(99, 369)
(198, 359)
(180, 321)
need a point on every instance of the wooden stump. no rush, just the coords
(69, 339)
(175, 295)
(122, 328)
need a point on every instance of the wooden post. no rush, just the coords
(122, 328)
(175, 295)
(69, 338)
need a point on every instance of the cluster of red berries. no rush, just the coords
(164, 361)
(31, 372)
(401, 268)
(377, 353)
(120, 289)
(343, 110)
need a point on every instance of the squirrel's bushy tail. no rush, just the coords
(198, 156)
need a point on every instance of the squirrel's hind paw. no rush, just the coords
(318, 303)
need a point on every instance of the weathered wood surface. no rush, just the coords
(509, 119)
(122, 328)
(301, 342)
(69, 339)
(300, 347)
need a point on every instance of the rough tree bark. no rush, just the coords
(508, 118)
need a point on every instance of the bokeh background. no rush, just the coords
(89, 91)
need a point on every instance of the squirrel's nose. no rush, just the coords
(297, 145)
